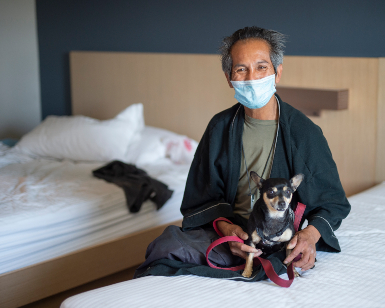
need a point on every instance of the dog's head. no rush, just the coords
(276, 192)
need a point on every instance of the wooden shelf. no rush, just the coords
(312, 101)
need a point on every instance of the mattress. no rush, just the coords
(49, 208)
(352, 278)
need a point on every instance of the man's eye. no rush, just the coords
(262, 68)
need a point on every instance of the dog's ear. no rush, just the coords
(296, 180)
(256, 178)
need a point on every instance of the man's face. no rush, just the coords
(251, 61)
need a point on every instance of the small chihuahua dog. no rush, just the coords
(271, 223)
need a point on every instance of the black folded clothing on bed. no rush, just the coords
(138, 186)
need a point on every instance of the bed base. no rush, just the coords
(32, 283)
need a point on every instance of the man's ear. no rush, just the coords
(228, 80)
(278, 74)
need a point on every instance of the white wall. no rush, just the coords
(20, 108)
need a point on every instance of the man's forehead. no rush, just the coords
(257, 50)
(255, 42)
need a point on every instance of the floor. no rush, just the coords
(55, 300)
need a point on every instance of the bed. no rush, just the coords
(178, 97)
(351, 278)
(53, 208)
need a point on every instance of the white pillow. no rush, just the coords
(156, 143)
(147, 149)
(180, 149)
(81, 138)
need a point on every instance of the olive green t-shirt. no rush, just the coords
(258, 139)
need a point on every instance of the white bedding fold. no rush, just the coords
(49, 208)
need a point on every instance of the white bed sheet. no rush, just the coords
(353, 278)
(49, 208)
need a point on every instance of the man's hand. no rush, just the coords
(237, 249)
(304, 242)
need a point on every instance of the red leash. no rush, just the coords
(266, 264)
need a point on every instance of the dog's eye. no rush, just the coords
(270, 193)
(288, 193)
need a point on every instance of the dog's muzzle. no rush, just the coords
(281, 206)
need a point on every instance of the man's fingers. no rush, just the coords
(247, 248)
(241, 234)
(303, 261)
(235, 246)
(307, 260)
(232, 230)
(296, 251)
(309, 264)
(293, 242)
(242, 250)
(236, 250)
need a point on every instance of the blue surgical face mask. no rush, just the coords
(254, 94)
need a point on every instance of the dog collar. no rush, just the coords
(268, 239)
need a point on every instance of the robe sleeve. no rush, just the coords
(322, 191)
(204, 197)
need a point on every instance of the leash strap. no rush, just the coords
(266, 264)
(299, 210)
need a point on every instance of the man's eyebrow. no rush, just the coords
(237, 65)
(258, 62)
(263, 61)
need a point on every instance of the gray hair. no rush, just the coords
(275, 40)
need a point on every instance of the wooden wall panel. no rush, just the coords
(351, 133)
(380, 159)
(179, 92)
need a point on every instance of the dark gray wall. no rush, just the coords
(348, 28)
(20, 108)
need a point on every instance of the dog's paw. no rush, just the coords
(296, 274)
(246, 274)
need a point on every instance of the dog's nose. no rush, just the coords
(281, 203)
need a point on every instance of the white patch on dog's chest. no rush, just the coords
(285, 237)
(276, 214)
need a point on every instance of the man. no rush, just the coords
(263, 134)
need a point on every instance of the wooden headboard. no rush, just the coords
(181, 92)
